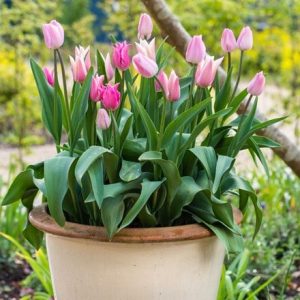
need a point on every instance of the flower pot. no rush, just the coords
(180, 262)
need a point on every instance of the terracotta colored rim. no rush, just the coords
(44, 222)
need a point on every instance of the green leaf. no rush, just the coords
(130, 170)
(56, 173)
(235, 102)
(22, 183)
(101, 65)
(111, 214)
(96, 176)
(169, 170)
(255, 148)
(33, 235)
(208, 159)
(223, 96)
(184, 118)
(148, 188)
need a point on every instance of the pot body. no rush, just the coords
(84, 269)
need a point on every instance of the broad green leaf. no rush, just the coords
(148, 188)
(56, 181)
(96, 176)
(101, 65)
(235, 102)
(223, 96)
(208, 159)
(130, 170)
(255, 148)
(111, 214)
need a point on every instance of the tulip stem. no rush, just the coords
(190, 99)
(55, 101)
(229, 62)
(239, 75)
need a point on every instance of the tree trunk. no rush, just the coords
(178, 37)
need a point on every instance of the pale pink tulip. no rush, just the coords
(228, 41)
(162, 82)
(144, 65)
(196, 50)
(245, 39)
(109, 69)
(49, 75)
(145, 27)
(96, 88)
(257, 84)
(78, 68)
(103, 119)
(120, 57)
(53, 34)
(174, 87)
(147, 49)
(85, 54)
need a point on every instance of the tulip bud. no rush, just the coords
(163, 82)
(144, 65)
(103, 119)
(109, 69)
(257, 84)
(174, 87)
(121, 58)
(78, 67)
(53, 35)
(111, 97)
(85, 54)
(196, 50)
(147, 49)
(228, 41)
(145, 27)
(49, 74)
(206, 71)
(96, 88)
(245, 39)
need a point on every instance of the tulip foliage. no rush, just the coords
(144, 149)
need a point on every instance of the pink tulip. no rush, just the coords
(144, 65)
(206, 71)
(145, 27)
(174, 87)
(228, 41)
(196, 50)
(109, 69)
(111, 97)
(163, 82)
(257, 84)
(78, 68)
(245, 39)
(120, 57)
(96, 88)
(49, 75)
(53, 34)
(103, 119)
(85, 54)
(147, 49)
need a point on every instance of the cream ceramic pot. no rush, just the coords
(181, 262)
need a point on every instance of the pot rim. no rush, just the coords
(40, 219)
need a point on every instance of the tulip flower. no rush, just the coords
(174, 87)
(120, 57)
(85, 54)
(148, 49)
(53, 34)
(257, 84)
(111, 97)
(103, 119)
(228, 41)
(245, 39)
(145, 27)
(206, 71)
(196, 50)
(49, 75)
(96, 88)
(144, 65)
(109, 69)
(162, 82)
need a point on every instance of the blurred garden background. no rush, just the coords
(269, 268)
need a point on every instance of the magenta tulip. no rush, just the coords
(257, 84)
(145, 27)
(147, 49)
(196, 50)
(144, 65)
(111, 97)
(109, 69)
(174, 87)
(245, 39)
(120, 57)
(103, 119)
(53, 34)
(228, 41)
(162, 83)
(206, 71)
(49, 75)
(96, 88)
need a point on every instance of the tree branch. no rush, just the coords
(178, 37)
